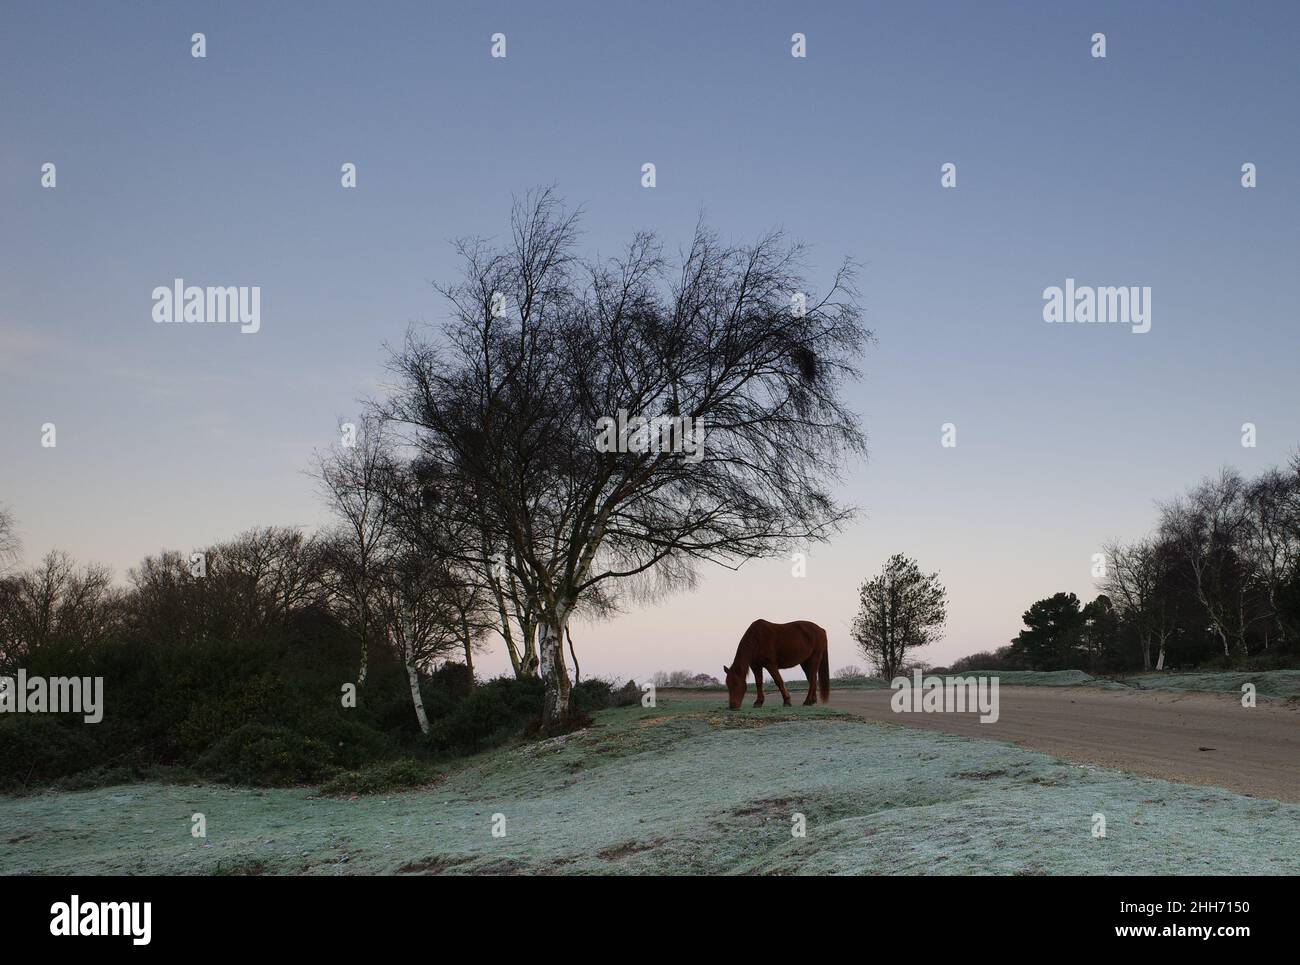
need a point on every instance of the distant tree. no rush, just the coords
(9, 542)
(676, 678)
(1004, 658)
(851, 672)
(433, 596)
(1100, 636)
(240, 589)
(56, 600)
(354, 479)
(1139, 583)
(1053, 633)
(1273, 548)
(1212, 530)
(899, 611)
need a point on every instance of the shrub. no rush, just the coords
(386, 776)
(351, 744)
(492, 713)
(596, 693)
(593, 694)
(628, 695)
(38, 748)
(267, 754)
(454, 679)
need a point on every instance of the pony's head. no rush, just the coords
(736, 684)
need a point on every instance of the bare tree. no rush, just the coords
(1273, 546)
(899, 611)
(9, 541)
(393, 562)
(417, 617)
(1137, 582)
(1212, 529)
(740, 367)
(433, 592)
(239, 589)
(354, 478)
(56, 600)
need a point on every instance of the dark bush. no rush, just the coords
(593, 694)
(628, 695)
(351, 744)
(454, 679)
(386, 776)
(267, 754)
(492, 713)
(38, 748)
(596, 693)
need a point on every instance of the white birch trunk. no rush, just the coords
(413, 676)
(557, 702)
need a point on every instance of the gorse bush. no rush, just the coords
(266, 754)
(37, 748)
(260, 714)
(386, 776)
(596, 693)
(490, 714)
(213, 707)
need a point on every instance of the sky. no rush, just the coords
(225, 170)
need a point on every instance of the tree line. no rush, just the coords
(1216, 583)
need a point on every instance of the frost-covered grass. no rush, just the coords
(1268, 683)
(680, 790)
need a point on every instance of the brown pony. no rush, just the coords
(776, 647)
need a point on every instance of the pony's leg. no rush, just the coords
(776, 676)
(758, 685)
(810, 671)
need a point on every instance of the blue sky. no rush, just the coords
(225, 171)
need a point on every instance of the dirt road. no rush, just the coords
(1191, 738)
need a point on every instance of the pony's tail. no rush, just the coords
(824, 674)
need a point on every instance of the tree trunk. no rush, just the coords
(1146, 652)
(557, 703)
(469, 648)
(528, 661)
(1160, 660)
(577, 671)
(413, 677)
(1227, 648)
(503, 616)
(363, 670)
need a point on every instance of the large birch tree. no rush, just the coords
(542, 349)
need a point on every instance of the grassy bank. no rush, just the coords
(676, 790)
(1283, 684)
